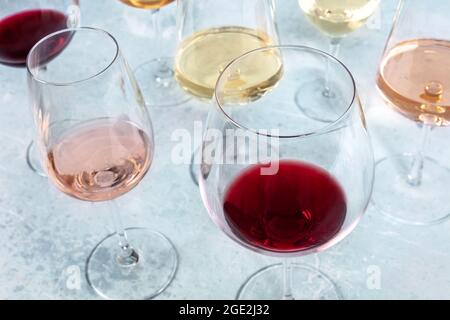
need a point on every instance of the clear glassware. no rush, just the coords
(211, 34)
(278, 182)
(156, 77)
(19, 33)
(413, 79)
(96, 139)
(336, 19)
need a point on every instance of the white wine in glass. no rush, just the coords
(147, 4)
(202, 57)
(336, 19)
(156, 76)
(212, 33)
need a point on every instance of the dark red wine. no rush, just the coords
(21, 31)
(300, 207)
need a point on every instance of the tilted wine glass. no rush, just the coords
(281, 183)
(336, 19)
(211, 34)
(413, 78)
(96, 139)
(22, 24)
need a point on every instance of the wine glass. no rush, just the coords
(336, 19)
(211, 34)
(413, 78)
(22, 24)
(96, 139)
(156, 77)
(281, 183)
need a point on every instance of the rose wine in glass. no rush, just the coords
(202, 57)
(298, 208)
(97, 148)
(20, 32)
(77, 161)
(414, 79)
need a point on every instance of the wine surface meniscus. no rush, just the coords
(202, 57)
(414, 77)
(147, 4)
(99, 160)
(300, 207)
(337, 18)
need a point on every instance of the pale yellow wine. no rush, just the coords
(337, 18)
(201, 58)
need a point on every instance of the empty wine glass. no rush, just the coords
(336, 19)
(101, 155)
(22, 24)
(281, 183)
(413, 78)
(211, 34)
(156, 77)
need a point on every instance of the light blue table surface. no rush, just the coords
(46, 236)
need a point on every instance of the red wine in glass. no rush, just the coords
(21, 31)
(300, 207)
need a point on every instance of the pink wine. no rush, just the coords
(414, 77)
(100, 160)
(300, 207)
(21, 31)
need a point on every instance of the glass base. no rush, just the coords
(33, 160)
(308, 283)
(155, 270)
(317, 102)
(424, 204)
(158, 85)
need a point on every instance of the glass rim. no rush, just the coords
(76, 29)
(325, 129)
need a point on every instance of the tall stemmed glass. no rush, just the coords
(97, 143)
(414, 79)
(214, 32)
(22, 24)
(280, 183)
(336, 19)
(156, 77)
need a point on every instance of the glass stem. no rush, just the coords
(335, 44)
(287, 280)
(127, 256)
(164, 73)
(415, 172)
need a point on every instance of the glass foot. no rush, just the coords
(155, 270)
(424, 204)
(158, 85)
(308, 283)
(33, 160)
(317, 102)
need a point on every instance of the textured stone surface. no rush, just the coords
(45, 235)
